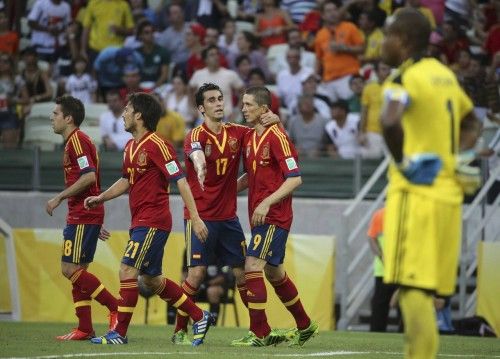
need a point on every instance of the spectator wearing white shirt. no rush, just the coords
(48, 20)
(114, 136)
(80, 84)
(294, 39)
(289, 82)
(343, 132)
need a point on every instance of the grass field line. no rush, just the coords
(301, 355)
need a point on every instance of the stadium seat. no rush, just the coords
(37, 128)
(93, 113)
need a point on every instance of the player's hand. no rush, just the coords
(201, 172)
(52, 204)
(421, 169)
(93, 201)
(200, 229)
(269, 118)
(260, 213)
(469, 177)
(104, 234)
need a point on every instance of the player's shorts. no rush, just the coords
(422, 242)
(268, 243)
(80, 242)
(145, 250)
(225, 244)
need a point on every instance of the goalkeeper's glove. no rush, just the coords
(469, 177)
(421, 169)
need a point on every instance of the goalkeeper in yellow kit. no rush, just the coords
(426, 119)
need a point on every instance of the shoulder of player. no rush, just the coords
(195, 134)
(78, 139)
(155, 143)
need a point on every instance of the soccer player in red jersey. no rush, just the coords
(213, 152)
(81, 178)
(148, 166)
(272, 174)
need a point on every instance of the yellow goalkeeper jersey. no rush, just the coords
(434, 106)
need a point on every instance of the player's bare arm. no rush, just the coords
(84, 182)
(242, 183)
(392, 129)
(290, 184)
(117, 189)
(199, 227)
(200, 166)
(269, 118)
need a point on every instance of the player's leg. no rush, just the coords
(87, 237)
(214, 295)
(231, 249)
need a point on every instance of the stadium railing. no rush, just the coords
(32, 169)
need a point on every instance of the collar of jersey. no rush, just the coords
(256, 145)
(409, 62)
(219, 145)
(139, 145)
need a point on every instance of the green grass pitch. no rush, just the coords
(36, 340)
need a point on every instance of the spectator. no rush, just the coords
(462, 67)
(256, 77)
(106, 24)
(307, 129)
(310, 83)
(156, 58)
(227, 80)
(171, 125)
(248, 10)
(272, 24)
(492, 43)
(212, 37)
(177, 100)
(13, 92)
(356, 84)
(337, 47)
(195, 41)
(343, 131)
(9, 40)
(227, 40)
(48, 20)
(140, 10)
(416, 4)
(453, 41)
(381, 299)
(370, 136)
(307, 58)
(207, 13)
(297, 8)
(247, 45)
(243, 67)
(80, 84)
(110, 64)
(289, 82)
(174, 37)
(114, 136)
(373, 37)
(37, 80)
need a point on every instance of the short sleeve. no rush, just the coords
(164, 157)
(465, 103)
(35, 12)
(87, 17)
(128, 20)
(376, 224)
(84, 154)
(285, 153)
(192, 143)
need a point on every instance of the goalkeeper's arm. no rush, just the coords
(470, 130)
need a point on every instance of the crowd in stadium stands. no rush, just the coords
(320, 58)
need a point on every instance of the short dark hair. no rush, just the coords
(240, 59)
(251, 38)
(71, 106)
(257, 71)
(205, 51)
(354, 77)
(142, 24)
(199, 96)
(414, 28)
(148, 107)
(343, 104)
(261, 94)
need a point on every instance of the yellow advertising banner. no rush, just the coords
(488, 283)
(45, 295)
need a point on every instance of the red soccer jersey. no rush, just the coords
(269, 159)
(149, 165)
(80, 156)
(222, 152)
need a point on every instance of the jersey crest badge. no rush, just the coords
(233, 144)
(265, 152)
(208, 148)
(142, 160)
(66, 160)
(248, 151)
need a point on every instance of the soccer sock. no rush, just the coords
(214, 310)
(419, 316)
(242, 289)
(257, 298)
(88, 283)
(129, 294)
(172, 293)
(289, 296)
(182, 317)
(82, 308)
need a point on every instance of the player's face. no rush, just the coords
(251, 109)
(213, 105)
(59, 122)
(129, 118)
(392, 47)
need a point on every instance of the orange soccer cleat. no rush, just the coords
(76, 334)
